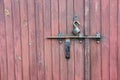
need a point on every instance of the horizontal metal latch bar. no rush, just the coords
(74, 37)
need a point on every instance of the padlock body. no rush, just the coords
(76, 31)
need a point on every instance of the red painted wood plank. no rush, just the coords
(32, 40)
(3, 58)
(113, 39)
(55, 43)
(47, 42)
(62, 29)
(24, 39)
(2, 70)
(95, 48)
(40, 39)
(87, 42)
(71, 61)
(9, 39)
(105, 9)
(17, 39)
(79, 47)
(118, 39)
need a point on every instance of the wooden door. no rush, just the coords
(26, 53)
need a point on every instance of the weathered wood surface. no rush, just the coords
(26, 54)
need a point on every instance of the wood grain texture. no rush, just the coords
(9, 39)
(113, 41)
(69, 26)
(95, 48)
(87, 43)
(3, 55)
(79, 47)
(118, 39)
(26, 54)
(55, 44)
(105, 52)
(40, 39)
(32, 40)
(47, 43)
(17, 39)
(62, 29)
(24, 39)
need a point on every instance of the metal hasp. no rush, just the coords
(76, 34)
(67, 38)
(67, 48)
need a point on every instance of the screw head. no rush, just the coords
(98, 42)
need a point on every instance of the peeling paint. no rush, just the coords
(7, 13)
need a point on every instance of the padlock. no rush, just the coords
(76, 31)
(76, 23)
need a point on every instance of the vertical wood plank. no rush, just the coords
(69, 31)
(62, 29)
(95, 48)
(105, 9)
(87, 43)
(24, 39)
(9, 39)
(118, 39)
(55, 47)
(3, 58)
(47, 42)
(113, 39)
(0, 72)
(79, 47)
(32, 39)
(2, 69)
(17, 39)
(40, 39)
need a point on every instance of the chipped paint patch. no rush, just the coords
(7, 13)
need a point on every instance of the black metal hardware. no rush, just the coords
(60, 39)
(75, 18)
(95, 37)
(76, 23)
(77, 35)
(76, 31)
(67, 48)
(67, 38)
